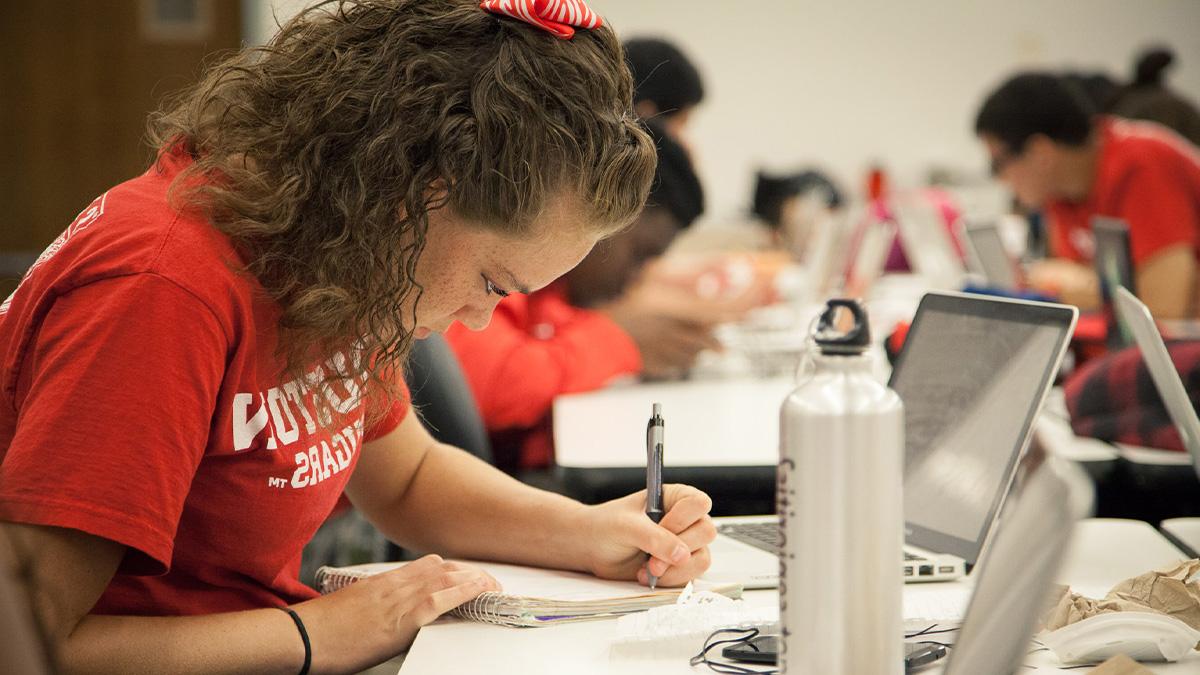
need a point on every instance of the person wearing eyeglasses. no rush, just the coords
(1047, 143)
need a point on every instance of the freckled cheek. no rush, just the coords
(443, 298)
(475, 317)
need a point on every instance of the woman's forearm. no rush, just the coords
(258, 641)
(352, 629)
(461, 507)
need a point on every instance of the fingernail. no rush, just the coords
(679, 554)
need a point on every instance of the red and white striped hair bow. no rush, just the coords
(558, 17)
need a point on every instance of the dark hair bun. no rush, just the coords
(1150, 66)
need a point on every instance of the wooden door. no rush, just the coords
(77, 81)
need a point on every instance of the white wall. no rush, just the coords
(840, 84)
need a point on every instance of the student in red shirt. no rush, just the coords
(1055, 154)
(584, 330)
(205, 359)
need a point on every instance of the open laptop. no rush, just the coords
(1016, 577)
(1114, 266)
(926, 241)
(870, 257)
(1136, 317)
(973, 374)
(1013, 582)
(825, 254)
(987, 256)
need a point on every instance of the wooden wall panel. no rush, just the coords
(77, 80)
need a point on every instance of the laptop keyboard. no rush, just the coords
(765, 536)
(759, 535)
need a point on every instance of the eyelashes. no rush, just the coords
(491, 288)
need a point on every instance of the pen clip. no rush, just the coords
(654, 433)
(654, 462)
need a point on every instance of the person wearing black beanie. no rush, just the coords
(667, 85)
(676, 200)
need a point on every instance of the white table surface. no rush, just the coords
(735, 423)
(1104, 552)
(1186, 530)
(708, 423)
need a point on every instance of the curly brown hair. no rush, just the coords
(324, 151)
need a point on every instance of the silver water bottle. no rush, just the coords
(841, 453)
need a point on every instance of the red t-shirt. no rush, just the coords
(1146, 175)
(537, 347)
(142, 402)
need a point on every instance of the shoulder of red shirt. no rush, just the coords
(1131, 145)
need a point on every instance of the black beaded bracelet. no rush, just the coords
(303, 637)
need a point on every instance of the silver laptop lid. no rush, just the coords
(987, 256)
(1019, 570)
(972, 375)
(1136, 316)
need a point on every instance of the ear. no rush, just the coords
(1041, 147)
(645, 109)
(437, 193)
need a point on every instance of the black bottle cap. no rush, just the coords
(837, 343)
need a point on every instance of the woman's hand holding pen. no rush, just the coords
(619, 537)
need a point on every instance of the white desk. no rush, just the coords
(1105, 552)
(1186, 530)
(1136, 454)
(723, 423)
(709, 423)
(722, 437)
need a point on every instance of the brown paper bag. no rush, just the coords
(1166, 591)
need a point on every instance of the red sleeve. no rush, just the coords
(123, 377)
(515, 376)
(1160, 209)
(397, 410)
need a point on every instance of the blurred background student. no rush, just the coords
(1049, 146)
(779, 205)
(1147, 96)
(667, 86)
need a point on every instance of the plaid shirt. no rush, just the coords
(1114, 399)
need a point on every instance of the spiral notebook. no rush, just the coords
(538, 597)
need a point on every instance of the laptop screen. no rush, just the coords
(989, 256)
(1020, 568)
(1114, 266)
(972, 376)
(1136, 316)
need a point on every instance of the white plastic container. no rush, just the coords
(841, 512)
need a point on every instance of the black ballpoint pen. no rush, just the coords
(654, 481)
